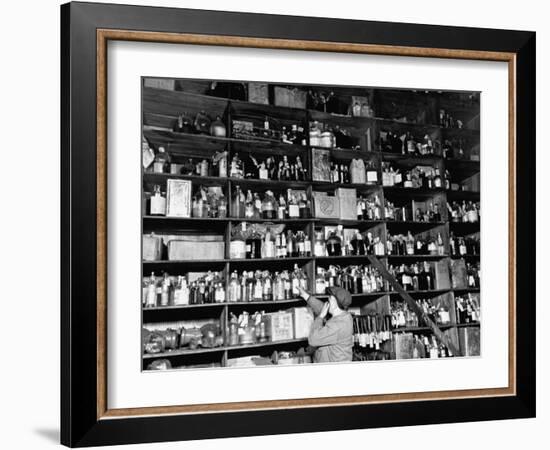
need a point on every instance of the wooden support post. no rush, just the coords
(412, 304)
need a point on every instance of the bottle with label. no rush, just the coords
(268, 206)
(237, 246)
(319, 248)
(236, 169)
(151, 294)
(410, 249)
(437, 181)
(161, 163)
(293, 208)
(222, 207)
(238, 203)
(249, 205)
(157, 202)
(217, 128)
(234, 290)
(181, 293)
(334, 245)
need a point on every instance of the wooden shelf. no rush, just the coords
(160, 113)
(421, 329)
(229, 348)
(183, 352)
(467, 325)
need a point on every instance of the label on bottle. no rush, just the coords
(158, 167)
(237, 249)
(293, 211)
(372, 176)
(307, 245)
(263, 174)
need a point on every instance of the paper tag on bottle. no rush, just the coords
(372, 176)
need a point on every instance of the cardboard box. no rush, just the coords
(160, 83)
(258, 93)
(442, 279)
(459, 277)
(292, 98)
(303, 319)
(152, 247)
(194, 248)
(325, 207)
(347, 199)
(280, 326)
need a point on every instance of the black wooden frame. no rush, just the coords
(79, 423)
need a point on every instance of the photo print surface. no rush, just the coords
(307, 224)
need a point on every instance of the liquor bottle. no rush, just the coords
(151, 294)
(183, 124)
(440, 245)
(307, 246)
(319, 247)
(267, 291)
(161, 163)
(291, 247)
(157, 205)
(249, 205)
(452, 244)
(409, 244)
(268, 247)
(437, 182)
(222, 207)
(237, 245)
(268, 206)
(219, 295)
(236, 168)
(202, 123)
(293, 208)
(238, 203)
(278, 287)
(334, 245)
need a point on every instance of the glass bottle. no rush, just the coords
(234, 292)
(222, 207)
(249, 205)
(237, 246)
(202, 123)
(334, 245)
(268, 206)
(157, 205)
(267, 292)
(161, 163)
(217, 128)
(319, 247)
(151, 295)
(238, 203)
(409, 243)
(293, 208)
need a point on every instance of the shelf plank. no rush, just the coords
(221, 305)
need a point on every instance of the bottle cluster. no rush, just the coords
(369, 208)
(339, 243)
(356, 279)
(468, 309)
(371, 330)
(257, 241)
(408, 144)
(401, 245)
(246, 329)
(461, 246)
(419, 177)
(464, 212)
(415, 277)
(264, 285)
(404, 213)
(293, 205)
(283, 168)
(177, 291)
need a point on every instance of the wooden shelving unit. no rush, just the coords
(160, 110)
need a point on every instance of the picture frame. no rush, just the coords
(86, 29)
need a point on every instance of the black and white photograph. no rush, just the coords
(287, 224)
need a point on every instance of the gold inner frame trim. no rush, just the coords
(103, 36)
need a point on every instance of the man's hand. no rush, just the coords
(303, 293)
(324, 311)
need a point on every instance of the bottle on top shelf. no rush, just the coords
(464, 212)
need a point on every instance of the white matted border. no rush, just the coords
(128, 387)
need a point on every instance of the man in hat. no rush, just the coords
(333, 338)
